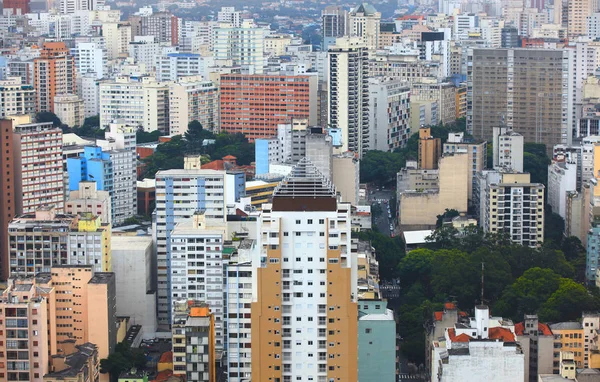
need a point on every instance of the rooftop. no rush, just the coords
(416, 237)
(102, 278)
(566, 326)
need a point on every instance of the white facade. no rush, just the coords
(69, 108)
(88, 89)
(174, 65)
(230, 15)
(117, 37)
(197, 266)
(136, 297)
(136, 101)
(508, 149)
(242, 46)
(562, 179)
(146, 50)
(196, 190)
(465, 23)
(192, 98)
(389, 114)
(90, 57)
(16, 98)
(593, 26)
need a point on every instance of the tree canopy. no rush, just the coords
(124, 358)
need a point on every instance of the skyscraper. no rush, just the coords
(577, 13)
(334, 24)
(54, 73)
(304, 311)
(242, 45)
(364, 22)
(511, 87)
(348, 102)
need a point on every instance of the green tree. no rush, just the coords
(168, 155)
(47, 116)
(142, 136)
(416, 267)
(567, 302)
(380, 167)
(535, 162)
(122, 359)
(448, 214)
(389, 252)
(453, 273)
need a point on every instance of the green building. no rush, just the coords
(376, 342)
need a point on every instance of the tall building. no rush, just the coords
(193, 99)
(240, 46)
(537, 342)
(54, 74)
(255, 105)
(90, 56)
(376, 341)
(172, 66)
(477, 152)
(389, 114)
(16, 97)
(187, 273)
(194, 341)
(197, 190)
(562, 180)
(334, 24)
(363, 22)
(577, 13)
(8, 205)
(68, 240)
(508, 149)
(444, 93)
(117, 36)
(348, 93)
(230, 15)
(138, 101)
(37, 147)
(515, 206)
(88, 90)
(430, 149)
(304, 309)
(73, 6)
(497, 78)
(162, 25)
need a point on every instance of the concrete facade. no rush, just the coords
(376, 342)
(389, 114)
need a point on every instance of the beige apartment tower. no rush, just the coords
(304, 309)
(525, 90)
(430, 149)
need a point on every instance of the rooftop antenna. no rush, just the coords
(482, 281)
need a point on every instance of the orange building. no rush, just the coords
(255, 104)
(53, 74)
(430, 149)
(7, 185)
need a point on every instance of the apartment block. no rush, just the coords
(117, 36)
(88, 199)
(577, 13)
(537, 341)
(162, 25)
(137, 101)
(304, 309)
(516, 206)
(8, 205)
(69, 109)
(89, 91)
(197, 267)
(508, 149)
(389, 114)
(255, 104)
(38, 155)
(363, 22)
(510, 87)
(348, 94)
(180, 194)
(562, 180)
(444, 93)
(54, 74)
(172, 66)
(334, 24)
(568, 335)
(193, 341)
(376, 341)
(75, 363)
(90, 243)
(16, 97)
(240, 46)
(193, 99)
(430, 149)
(476, 151)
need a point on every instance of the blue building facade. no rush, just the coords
(261, 156)
(592, 252)
(93, 165)
(376, 342)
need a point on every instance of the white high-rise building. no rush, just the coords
(508, 149)
(348, 93)
(117, 36)
(147, 50)
(192, 98)
(364, 22)
(242, 46)
(195, 190)
(389, 114)
(16, 97)
(88, 89)
(230, 15)
(196, 270)
(138, 101)
(562, 179)
(72, 6)
(90, 57)
(171, 66)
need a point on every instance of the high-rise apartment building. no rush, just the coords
(117, 36)
(477, 152)
(193, 265)
(230, 15)
(389, 114)
(255, 104)
(172, 66)
(180, 194)
(162, 25)
(38, 166)
(8, 205)
(193, 99)
(510, 87)
(54, 74)
(334, 24)
(241, 46)
(515, 206)
(16, 97)
(137, 101)
(69, 109)
(577, 13)
(88, 90)
(348, 93)
(508, 149)
(90, 56)
(363, 22)
(430, 149)
(67, 240)
(304, 309)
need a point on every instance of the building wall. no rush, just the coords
(376, 342)
(562, 179)
(54, 73)
(346, 177)
(7, 183)
(193, 100)
(389, 114)
(477, 153)
(568, 340)
(16, 97)
(102, 313)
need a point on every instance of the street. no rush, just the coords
(382, 221)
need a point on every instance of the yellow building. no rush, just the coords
(461, 101)
(260, 192)
(568, 337)
(430, 149)
(90, 243)
(304, 308)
